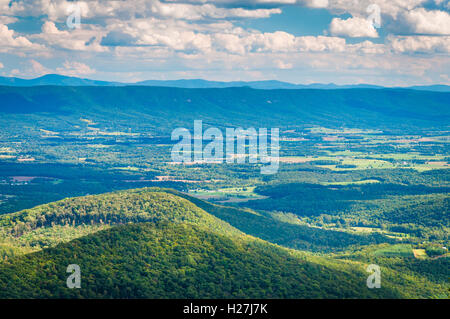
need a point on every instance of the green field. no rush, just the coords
(400, 250)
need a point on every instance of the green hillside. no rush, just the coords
(152, 243)
(165, 260)
(49, 224)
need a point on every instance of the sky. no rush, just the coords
(383, 42)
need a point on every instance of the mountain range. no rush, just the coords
(55, 79)
(161, 109)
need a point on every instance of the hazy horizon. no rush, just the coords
(219, 81)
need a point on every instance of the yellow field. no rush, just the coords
(420, 253)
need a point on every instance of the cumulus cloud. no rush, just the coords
(280, 42)
(8, 38)
(358, 8)
(231, 43)
(197, 12)
(59, 9)
(320, 44)
(10, 42)
(78, 40)
(190, 38)
(153, 32)
(423, 44)
(421, 21)
(353, 27)
(367, 48)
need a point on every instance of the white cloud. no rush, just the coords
(353, 27)
(69, 68)
(177, 36)
(197, 12)
(421, 21)
(75, 69)
(320, 44)
(77, 39)
(7, 19)
(192, 38)
(231, 43)
(57, 10)
(10, 42)
(400, 16)
(314, 3)
(278, 41)
(357, 8)
(423, 44)
(8, 38)
(283, 65)
(367, 47)
(37, 69)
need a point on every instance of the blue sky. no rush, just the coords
(395, 42)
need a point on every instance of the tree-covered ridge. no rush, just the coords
(49, 224)
(169, 260)
(177, 248)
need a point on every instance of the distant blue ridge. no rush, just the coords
(61, 80)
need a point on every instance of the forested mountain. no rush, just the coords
(177, 261)
(153, 243)
(163, 109)
(50, 224)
